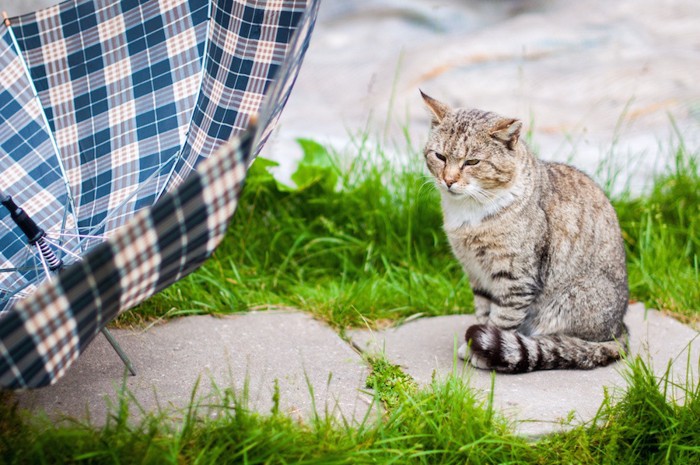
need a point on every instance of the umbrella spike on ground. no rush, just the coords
(125, 132)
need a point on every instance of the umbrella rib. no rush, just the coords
(52, 138)
(92, 122)
(153, 94)
(18, 269)
(65, 250)
(58, 235)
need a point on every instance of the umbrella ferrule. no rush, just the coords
(35, 235)
(24, 221)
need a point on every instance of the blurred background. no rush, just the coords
(593, 80)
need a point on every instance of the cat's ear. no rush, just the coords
(507, 130)
(438, 109)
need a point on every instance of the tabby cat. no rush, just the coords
(540, 243)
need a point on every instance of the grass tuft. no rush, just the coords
(655, 421)
(390, 384)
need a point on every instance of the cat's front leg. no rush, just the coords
(482, 309)
(507, 317)
(503, 317)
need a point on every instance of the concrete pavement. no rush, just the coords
(313, 367)
(316, 369)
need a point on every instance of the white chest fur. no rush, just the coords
(465, 211)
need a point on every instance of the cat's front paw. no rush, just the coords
(463, 352)
(468, 356)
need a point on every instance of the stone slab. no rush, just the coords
(169, 358)
(538, 402)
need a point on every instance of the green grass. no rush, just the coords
(364, 244)
(389, 383)
(353, 246)
(443, 423)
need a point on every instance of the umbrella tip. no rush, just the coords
(5, 18)
(254, 120)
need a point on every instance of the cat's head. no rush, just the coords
(472, 153)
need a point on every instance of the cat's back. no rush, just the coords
(568, 182)
(583, 225)
(569, 191)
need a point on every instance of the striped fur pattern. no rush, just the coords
(540, 242)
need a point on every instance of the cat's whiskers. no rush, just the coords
(484, 197)
(428, 180)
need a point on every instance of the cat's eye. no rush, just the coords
(440, 156)
(471, 162)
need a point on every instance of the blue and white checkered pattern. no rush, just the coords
(131, 96)
(30, 171)
(118, 82)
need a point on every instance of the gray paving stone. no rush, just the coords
(290, 347)
(537, 402)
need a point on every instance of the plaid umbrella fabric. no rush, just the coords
(123, 136)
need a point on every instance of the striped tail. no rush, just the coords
(505, 351)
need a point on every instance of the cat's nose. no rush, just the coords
(449, 182)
